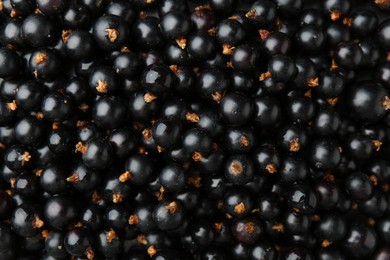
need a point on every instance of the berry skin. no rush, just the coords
(236, 108)
(10, 63)
(168, 215)
(369, 101)
(239, 169)
(110, 32)
(109, 112)
(324, 154)
(98, 154)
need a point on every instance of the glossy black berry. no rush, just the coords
(96, 153)
(39, 31)
(109, 112)
(10, 63)
(236, 108)
(168, 215)
(110, 32)
(368, 100)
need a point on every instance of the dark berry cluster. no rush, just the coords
(201, 129)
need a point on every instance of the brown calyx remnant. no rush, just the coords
(39, 115)
(55, 126)
(141, 239)
(81, 124)
(102, 86)
(172, 207)
(335, 15)
(38, 172)
(181, 42)
(152, 250)
(45, 234)
(196, 70)
(388, 56)
(160, 193)
(295, 145)
(218, 227)
(381, 3)
(160, 149)
(117, 197)
(142, 15)
(195, 181)
(197, 156)
(111, 235)
(374, 180)
(1, 5)
(37, 222)
(386, 103)
(212, 31)
(240, 208)
(37, 11)
(227, 49)
(329, 177)
(244, 141)
(371, 221)
(2, 146)
(77, 225)
(13, 13)
(271, 168)
(250, 227)
(332, 101)
(125, 176)
(73, 178)
(147, 134)
(236, 167)
(264, 34)
(308, 93)
(312, 82)
(219, 204)
(233, 17)
(81, 148)
(251, 14)
(112, 34)
(96, 197)
(315, 218)
(279, 227)
(40, 58)
(199, 9)
(334, 65)
(149, 2)
(25, 157)
(377, 145)
(192, 117)
(217, 96)
(125, 49)
(12, 105)
(65, 35)
(83, 107)
(133, 220)
(12, 182)
(325, 243)
(229, 64)
(89, 253)
(347, 22)
(174, 68)
(296, 210)
(265, 75)
(149, 97)
(354, 205)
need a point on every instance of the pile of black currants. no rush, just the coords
(203, 129)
